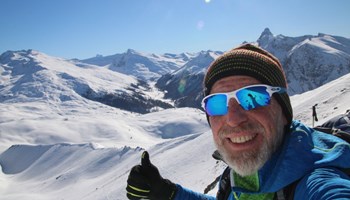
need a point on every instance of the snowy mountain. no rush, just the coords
(144, 66)
(309, 62)
(185, 84)
(62, 145)
(86, 153)
(39, 76)
(57, 143)
(64, 133)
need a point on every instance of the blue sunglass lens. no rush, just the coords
(216, 105)
(253, 97)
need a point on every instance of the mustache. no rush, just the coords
(246, 127)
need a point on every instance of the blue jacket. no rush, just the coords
(313, 157)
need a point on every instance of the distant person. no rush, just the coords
(269, 155)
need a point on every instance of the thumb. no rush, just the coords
(145, 162)
(149, 170)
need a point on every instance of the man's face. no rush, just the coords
(246, 138)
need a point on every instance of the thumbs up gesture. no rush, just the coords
(145, 182)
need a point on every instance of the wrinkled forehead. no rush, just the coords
(232, 83)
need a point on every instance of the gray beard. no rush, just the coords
(250, 162)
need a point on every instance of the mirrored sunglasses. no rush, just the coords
(249, 97)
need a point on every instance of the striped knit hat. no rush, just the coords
(251, 61)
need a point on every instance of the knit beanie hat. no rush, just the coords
(251, 61)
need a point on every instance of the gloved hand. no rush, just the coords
(145, 182)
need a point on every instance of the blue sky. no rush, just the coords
(83, 28)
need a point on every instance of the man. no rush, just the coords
(250, 116)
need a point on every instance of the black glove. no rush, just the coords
(145, 182)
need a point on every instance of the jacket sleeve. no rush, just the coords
(324, 183)
(186, 194)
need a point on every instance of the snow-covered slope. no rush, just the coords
(145, 66)
(331, 99)
(58, 142)
(88, 171)
(309, 61)
(185, 84)
(87, 151)
(34, 75)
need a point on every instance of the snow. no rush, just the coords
(142, 65)
(331, 99)
(306, 59)
(55, 147)
(81, 170)
(55, 144)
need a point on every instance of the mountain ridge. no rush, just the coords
(309, 62)
(54, 142)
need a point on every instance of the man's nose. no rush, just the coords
(236, 114)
